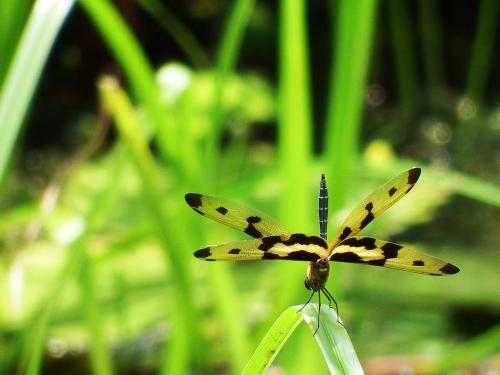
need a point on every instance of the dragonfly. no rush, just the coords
(272, 241)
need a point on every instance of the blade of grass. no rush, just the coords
(272, 343)
(431, 43)
(353, 42)
(100, 359)
(136, 67)
(167, 231)
(226, 60)
(473, 187)
(294, 113)
(479, 72)
(25, 69)
(179, 32)
(482, 50)
(13, 15)
(403, 47)
(305, 357)
(35, 333)
(116, 101)
(331, 338)
(294, 131)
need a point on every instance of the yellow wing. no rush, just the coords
(376, 203)
(235, 215)
(367, 250)
(296, 246)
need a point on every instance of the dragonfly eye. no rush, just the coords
(307, 284)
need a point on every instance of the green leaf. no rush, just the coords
(140, 74)
(331, 337)
(25, 69)
(353, 41)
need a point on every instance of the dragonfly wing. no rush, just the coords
(235, 215)
(376, 203)
(367, 250)
(296, 246)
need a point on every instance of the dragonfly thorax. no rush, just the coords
(317, 275)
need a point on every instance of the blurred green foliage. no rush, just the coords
(96, 266)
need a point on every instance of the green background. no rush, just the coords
(111, 112)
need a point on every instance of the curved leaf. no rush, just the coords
(331, 337)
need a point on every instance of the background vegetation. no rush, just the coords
(111, 111)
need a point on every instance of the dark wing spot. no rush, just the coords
(210, 260)
(369, 216)
(234, 251)
(413, 175)
(250, 229)
(201, 213)
(301, 255)
(345, 233)
(270, 256)
(449, 269)
(392, 191)
(193, 199)
(269, 242)
(202, 253)
(346, 257)
(418, 263)
(376, 262)
(254, 220)
(436, 274)
(390, 250)
(367, 242)
(302, 239)
(222, 210)
(296, 238)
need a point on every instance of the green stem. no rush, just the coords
(179, 32)
(26, 66)
(431, 42)
(100, 359)
(404, 56)
(13, 15)
(226, 61)
(482, 50)
(294, 129)
(294, 113)
(167, 231)
(353, 43)
(136, 67)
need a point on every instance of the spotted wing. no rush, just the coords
(235, 215)
(376, 203)
(296, 246)
(367, 250)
